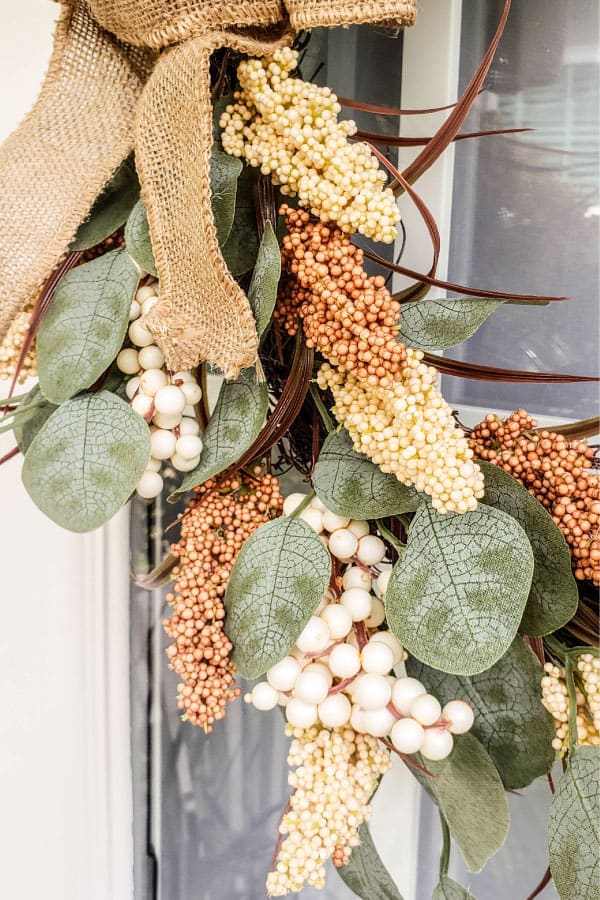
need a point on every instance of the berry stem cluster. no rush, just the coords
(221, 516)
(557, 472)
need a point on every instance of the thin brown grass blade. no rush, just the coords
(462, 369)
(450, 128)
(574, 431)
(416, 290)
(459, 288)
(387, 140)
(391, 110)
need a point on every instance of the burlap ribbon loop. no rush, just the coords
(106, 93)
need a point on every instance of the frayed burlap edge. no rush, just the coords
(315, 13)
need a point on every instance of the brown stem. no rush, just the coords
(10, 455)
(545, 880)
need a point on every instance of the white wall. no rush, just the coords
(64, 773)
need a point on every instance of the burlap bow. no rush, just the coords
(130, 74)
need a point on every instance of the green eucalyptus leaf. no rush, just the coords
(84, 463)
(29, 423)
(574, 828)
(349, 484)
(279, 578)
(365, 873)
(456, 595)
(83, 331)
(470, 794)
(137, 239)
(224, 173)
(241, 248)
(447, 889)
(554, 596)
(111, 208)
(233, 427)
(510, 721)
(262, 292)
(433, 325)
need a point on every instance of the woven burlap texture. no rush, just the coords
(106, 92)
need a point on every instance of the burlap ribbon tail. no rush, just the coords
(108, 91)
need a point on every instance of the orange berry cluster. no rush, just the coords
(221, 516)
(557, 472)
(347, 315)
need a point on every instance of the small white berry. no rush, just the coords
(338, 619)
(342, 544)
(282, 676)
(184, 465)
(460, 715)
(151, 357)
(335, 711)
(300, 714)
(377, 658)
(426, 709)
(152, 380)
(313, 518)
(189, 446)
(331, 522)
(437, 745)
(135, 310)
(150, 485)
(404, 692)
(128, 361)
(344, 661)
(292, 502)
(132, 387)
(371, 550)
(372, 691)
(142, 404)
(139, 334)
(189, 426)
(154, 465)
(378, 722)
(358, 603)
(377, 615)
(264, 697)
(313, 683)
(162, 443)
(354, 576)
(407, 736)
(169, 400)
(382, 581)
(148, 304)
(315, 636)
(358, 527)
(192, 392)
(386, 637)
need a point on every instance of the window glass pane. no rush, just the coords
(525, 212)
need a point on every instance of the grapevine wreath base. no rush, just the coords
(431, 591)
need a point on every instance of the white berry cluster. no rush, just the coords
(341, 670)
(555, 697)
(164, 400)
(289, 129)
(336, 773)
(408, 430)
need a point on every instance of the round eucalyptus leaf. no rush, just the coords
(279, 578)
(349, 484)
(553, 597)
(84, 463)
(471, 797)
(433, 325)
(574, 828)
(84, 329)
(111, 208)
(457, 593)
